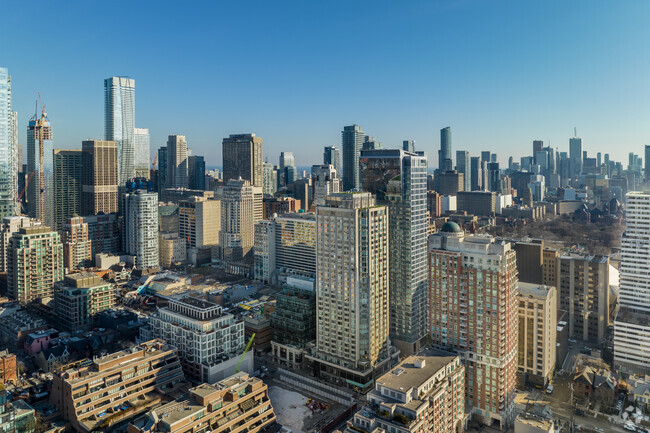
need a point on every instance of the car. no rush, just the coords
(598, 429)
(572, 340)
(580, 412)
(549, 389)
(629, 427)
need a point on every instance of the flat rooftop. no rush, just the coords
(196, 302)
(535, 290)
(406, 375)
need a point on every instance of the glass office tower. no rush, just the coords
(8, 149)
(119, 123)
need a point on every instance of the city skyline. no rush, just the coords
(494, 95)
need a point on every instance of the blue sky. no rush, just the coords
(500, 73)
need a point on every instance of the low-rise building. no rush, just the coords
(237, 404)
(210, 342)
(424, 393)
(8, 371)
(16, 325)
(95, 394)
(531, 423)
(79, 297)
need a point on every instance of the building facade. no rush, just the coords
(325, 181)
(141, 227)
(177, 162)
(352, 284)
(94, 394)
(40, 191)
(142, 150)
(34, 263)
(196, 172)
(80, 297)
(119, 123)
(11, 225)
(10, 162)
(583, 292)
(77, 246)
(424, 393)
(242, 158)
(173, 249)
(99, 177)
(237, 234)
(332, 156)
(632, 324)
(209, 341)
(473, 283)
(68, 189)
(236, 404)
(399, 181)
(199, 221)
(352, 138)
(537, 332)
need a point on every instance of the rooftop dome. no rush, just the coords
(451, 227)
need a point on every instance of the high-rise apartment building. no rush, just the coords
(352, 284)
(632, 324)
(142, 150)
(177, 162)
(68, 189)
(269, 179)
(141, 227)
(34, 263)
(103, 232)
(199, 221)
(351, 141)
(80, 297)
(332, 156)
(196, 172)
(464, 165)
(285, 246)
(424, 393)
(242, 158)
(119, 123)
(40, 191)
(209, 340)
(9, 153)
(399, 181)
(445, 163)
(325, 181)
(99, 176)
(537, 332)
(575, 157)
(11, 225)
(583, 292)
(77, 246)
(86, 392)
(237, 235)
(473, 296)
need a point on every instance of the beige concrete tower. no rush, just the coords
(351, 288)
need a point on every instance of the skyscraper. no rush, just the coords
(270, 181)
(237, 234)
(445, 163)
(351, 289)
(99, 177)
(473, 283)
(476, 174)
(177, 162)
(325, 181)
(11, 225)
(399, 181)
(141, 227)
(242, 158)
(196, 172)
(162, 170)
(9, 161)
(141, 142)
(537, 147)
(199, 221)
(352, 138)
(408, 145)
(632, 324)
(119, 123)
(40, 192)
(34, 263)
(463, 165)
(647, 162)
(332, 155)
(575, 157)
(68, 189)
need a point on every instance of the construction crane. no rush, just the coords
(20, 196)
(248, 346)
(155, 162)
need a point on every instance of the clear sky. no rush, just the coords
(500, 73)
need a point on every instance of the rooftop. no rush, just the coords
(408, 375)
(534, 290)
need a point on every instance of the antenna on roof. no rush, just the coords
(575, 131)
